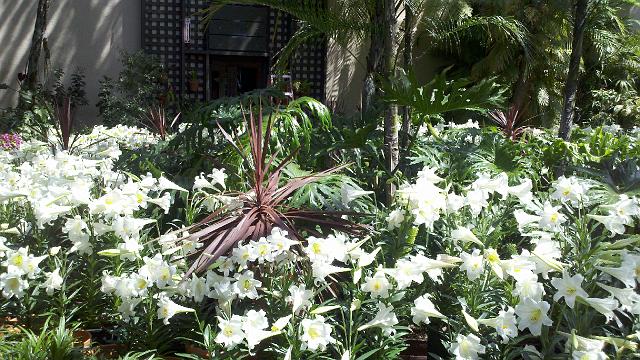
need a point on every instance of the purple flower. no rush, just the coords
(10, 141)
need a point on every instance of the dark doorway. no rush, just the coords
(234, 75)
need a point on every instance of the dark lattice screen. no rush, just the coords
(162, 37)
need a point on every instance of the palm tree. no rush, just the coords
(610, 58)
(509, 40)
(571, 85)
(534, 64)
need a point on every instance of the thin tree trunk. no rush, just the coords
(37, 40)
(407, 53)
(520, 89)
(571, 84)
(375, 56)
(379, 62)
(391, 148)
(391, 112)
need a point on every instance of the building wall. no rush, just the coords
(90, 34)
(345, 76)
(81, 33)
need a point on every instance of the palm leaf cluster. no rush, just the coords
(345, 21)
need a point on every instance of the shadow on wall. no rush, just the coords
(345, 75)
(16, 18)
(85, 34)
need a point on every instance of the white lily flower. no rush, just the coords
(423, 309)
(316, 333)
(166, 184)
(54, 282)
(465, 235)
(628, 297)
(350, 193)
(299, 297)
(568, 287)
(385, 319)
(533, 315)
(167, 309)
(467, 347)
(604, 306)
(473, 264)
(230, 333)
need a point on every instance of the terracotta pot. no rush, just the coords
(9, 321)
(417, 349)
(195, 350)
(194, 85)
(83, 338)
(9, 324)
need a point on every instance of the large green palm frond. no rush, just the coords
(345, 21)
(302, 36)
(496, 61)
(452, 34)
(341, 20)
(606, 28)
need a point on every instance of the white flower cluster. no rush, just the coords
(102, 138)
(82, 196)
(426, 201)
(544, 222)
(20, 267)
(573, 258)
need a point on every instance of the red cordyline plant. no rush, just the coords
(511, 124)
(157, 119)
(265, 205)
(64, 115)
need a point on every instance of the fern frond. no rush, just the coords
(485, 29)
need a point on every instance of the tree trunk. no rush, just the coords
(407, 53)
(520, 89)
(382, 18)
(391, 112)
(375, 56)
(571, 85)
(391, 148)
(36, 44)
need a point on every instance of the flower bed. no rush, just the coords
(469, 262)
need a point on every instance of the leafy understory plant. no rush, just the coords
(49, 344)
(253, 214)
(440, 95)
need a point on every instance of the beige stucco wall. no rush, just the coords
(91, 33)
(81, 33)
(345, 76)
